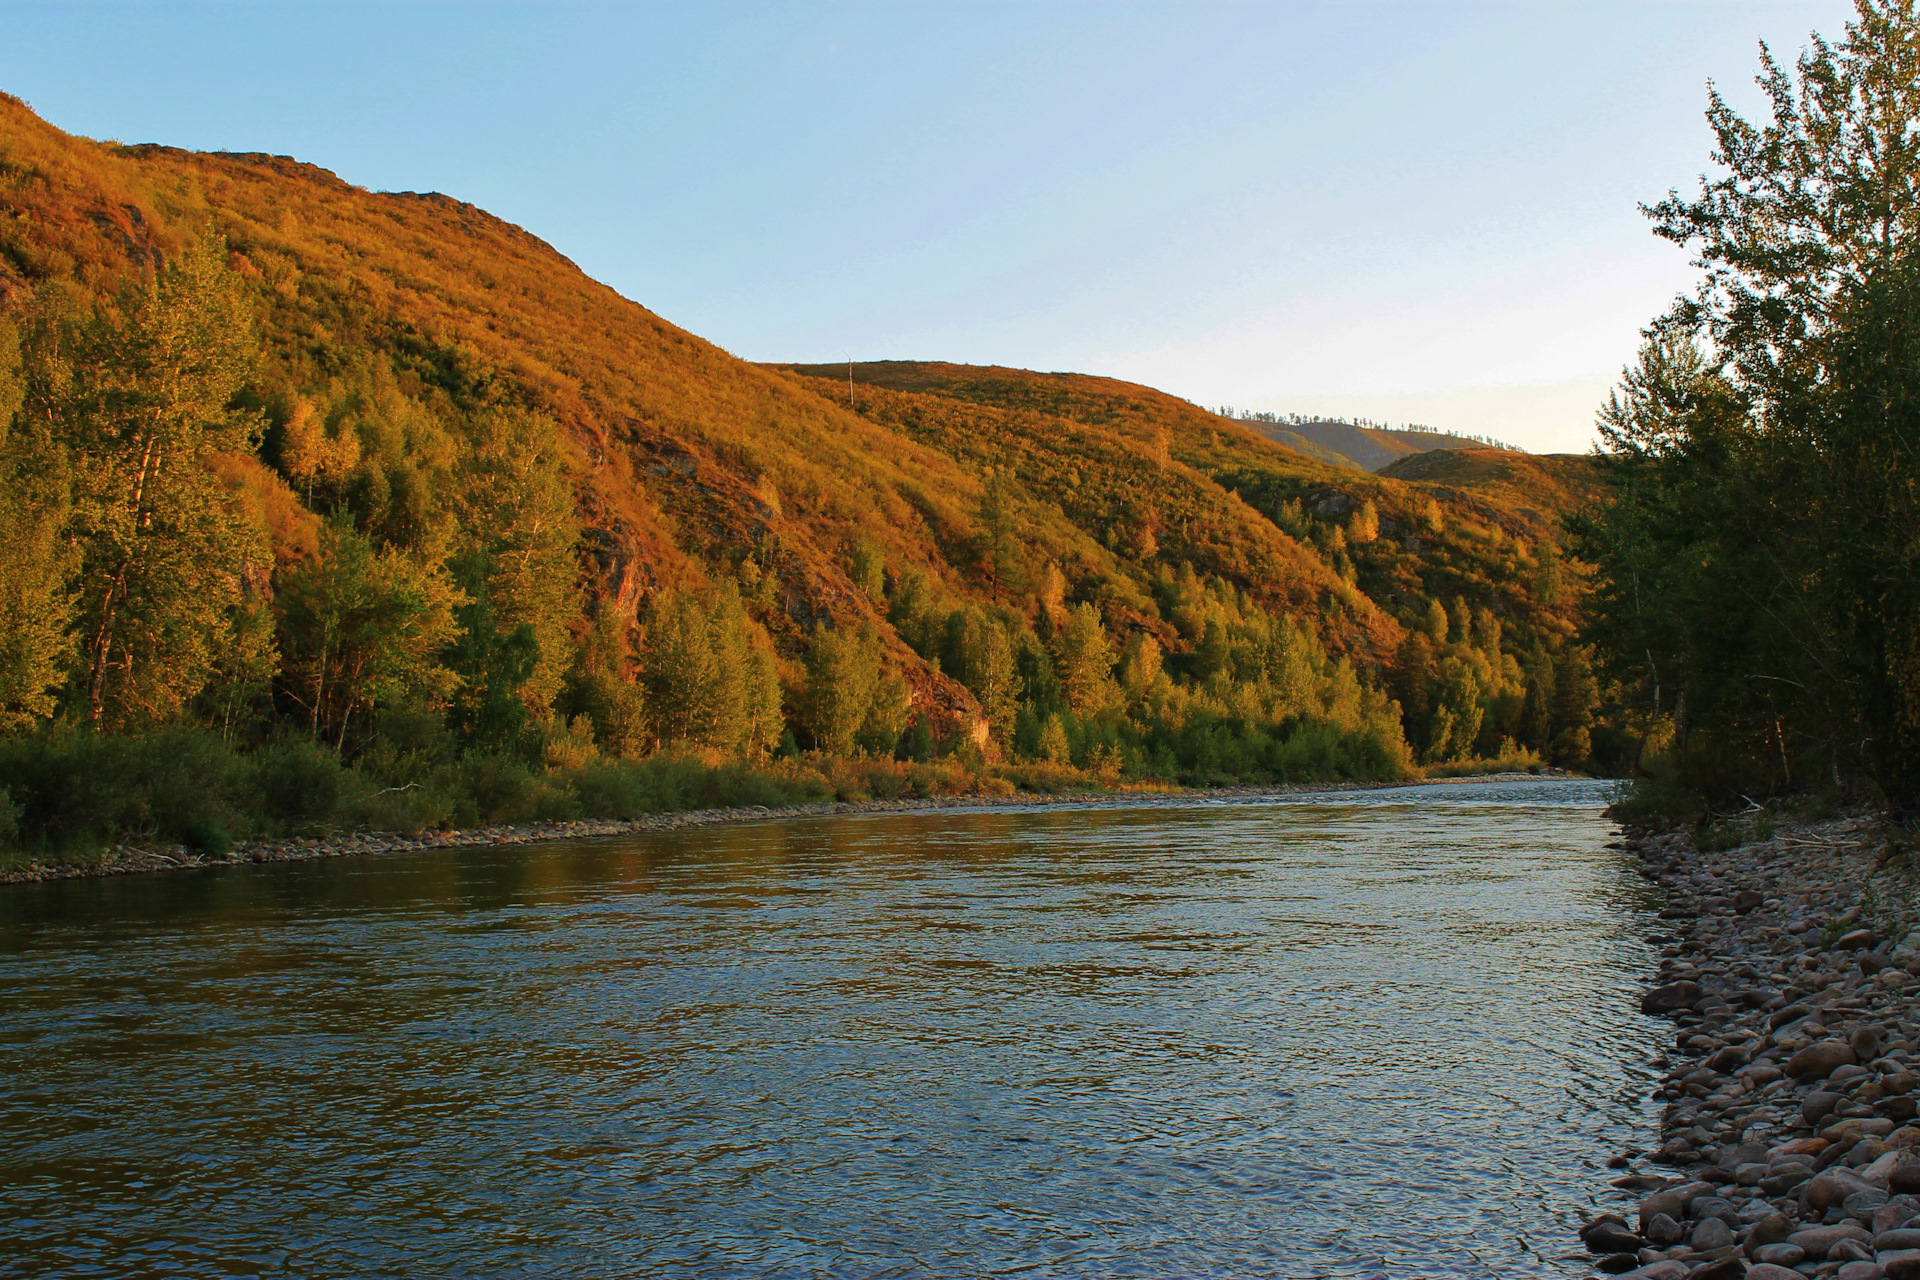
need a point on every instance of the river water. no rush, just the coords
(1386, 1033)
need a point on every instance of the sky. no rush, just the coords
(1413, 212)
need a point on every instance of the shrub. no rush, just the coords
(299, 785)
(207, 836)
(1718, 837)
(1659, 801)
(73, 789)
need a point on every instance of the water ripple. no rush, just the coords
(1352, 1035)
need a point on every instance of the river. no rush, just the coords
(1382, 1033)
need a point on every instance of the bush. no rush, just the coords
(628, 789)
(72, 789)
(1042, 777)
(1657, 802)
(207, 836)
(1718, 837)
(491, 790)
(299, 785)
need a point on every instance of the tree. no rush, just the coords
(1413, 679)
(35, 604)
(708, 673)
(1083, 657)
(854, 701)
(515, 507)
(1364, 526)
(600, 687)
(163, 552)
(1001, 553)
(979, 653)
(1760, 556)
(493, 662)
(363, 629)
(1457, 712)
(1573, 702)
(1054, 747)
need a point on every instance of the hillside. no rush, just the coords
(1347, 444)
(452, 397)
(1543, 487)
(1289, 517)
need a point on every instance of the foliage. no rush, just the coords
(1758, 603)
(709, 674)
(140, 398)
(854, 700)
(420, 524)
(36, 644)
(363, 629)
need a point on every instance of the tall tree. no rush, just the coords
(35, 502)
(1083, 657)
(1761, 555)
(708, 673)
(164, 553)
(854, 700)
(363, 628)
(515, 508)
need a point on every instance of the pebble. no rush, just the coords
(1789, 1145)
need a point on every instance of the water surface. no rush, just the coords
(1370, 1034)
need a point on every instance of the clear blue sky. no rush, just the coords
(1417, 211)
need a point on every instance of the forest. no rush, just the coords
(1756, 586)
(329, 510)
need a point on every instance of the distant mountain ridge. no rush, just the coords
(1364, 446)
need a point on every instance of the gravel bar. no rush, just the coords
(1789, 1145)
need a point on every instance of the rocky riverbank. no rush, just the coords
(1789, 1143)
(129, 859)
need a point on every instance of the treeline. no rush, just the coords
(1757, 605)
(342, 588)
(1309, 420)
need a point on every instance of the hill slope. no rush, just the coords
(1435, 539)
(1347, 444)
(1544, 487)
(395, 326)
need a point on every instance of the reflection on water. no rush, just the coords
(1366, 1034)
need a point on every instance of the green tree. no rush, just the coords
(708, 673)
(1760, 555)
(515, 506)
(362, 629)
(979, 653)
(163, 552)
(1457, 712)
(600, 687)
(1001, 552)
(493, 663)
(1574, 699)
(854, 701)
(35, 604)
(1054, 747)
(1083, 658)
(1142, 668)
(867, 566)
(1537, 711)
(1413, 678)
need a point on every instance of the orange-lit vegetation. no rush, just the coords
(478, 535)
